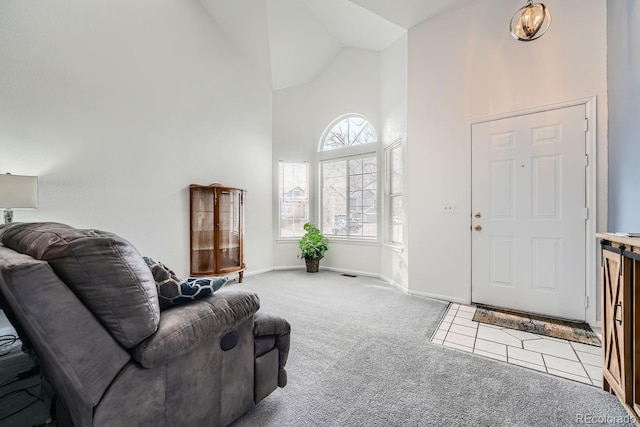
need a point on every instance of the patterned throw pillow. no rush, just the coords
(172, 290)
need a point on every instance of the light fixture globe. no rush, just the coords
(530, 22)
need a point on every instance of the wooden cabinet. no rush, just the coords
(217, 230)
(620, 293)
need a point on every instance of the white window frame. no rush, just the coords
(388, 195)
(281, 199)
(348, 236)
(371, 149)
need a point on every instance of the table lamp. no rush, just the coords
(17, 192)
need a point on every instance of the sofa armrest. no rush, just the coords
(266, 325)
(187, 325)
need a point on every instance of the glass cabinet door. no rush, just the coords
(229, 229)
(202, 231)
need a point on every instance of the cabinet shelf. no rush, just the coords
(217, 230)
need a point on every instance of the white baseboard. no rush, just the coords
(303, 267)
(352, 272)
(334, 269)
(394, 284)
(255, 272)
(362, 273)
(437, 296)
(292, 267)
(367, 274)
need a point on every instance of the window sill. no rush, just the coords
(338, 240)
(342, 241)
(394, 247)
(288, 239)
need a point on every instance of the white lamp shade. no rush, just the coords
(18, 192)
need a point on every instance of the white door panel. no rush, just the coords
(528, 189)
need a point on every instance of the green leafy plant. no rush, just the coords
(313, 244)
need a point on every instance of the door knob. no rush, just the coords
(478, 215)
(477, 227)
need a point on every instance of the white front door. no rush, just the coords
(528, 218)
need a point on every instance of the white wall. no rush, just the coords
(350, 84)
(393, 91)
(118, 110)
(623, 39)
(393, 77)
(464, 65)
(118, 106)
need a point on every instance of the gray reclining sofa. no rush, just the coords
(86, 303)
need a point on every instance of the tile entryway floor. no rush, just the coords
(572, 360)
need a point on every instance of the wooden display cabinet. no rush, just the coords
(216, 230)
(620, 293)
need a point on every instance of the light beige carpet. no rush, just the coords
(563, 329)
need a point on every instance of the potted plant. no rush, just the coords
(313, 245)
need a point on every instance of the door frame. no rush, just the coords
(591, 266)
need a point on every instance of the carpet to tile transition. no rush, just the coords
(563, 329)
(361, 356)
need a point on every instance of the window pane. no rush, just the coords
(355, 182)
(365, 212)
(334, 199)
(356, 127)
(369, 200)
(348, 209)
(337, 137)
(396, 219)
(393, 195)
(293, 216)
(369, 165)
(356, 203)
(294, 192)
(334, 169)
(353, 130)
(328, 170)
(355, 166)
(294, 198)
(395, 167)
(300, 179)
(362, 197)
(360, 131)
(369, 181)
(369, 213)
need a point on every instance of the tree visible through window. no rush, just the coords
(349, 185)
(353, 130)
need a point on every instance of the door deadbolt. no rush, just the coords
(477, 227)
(478, 215)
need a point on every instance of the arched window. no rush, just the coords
(349, 181)
(349, 131)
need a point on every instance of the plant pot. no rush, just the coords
(312, 265)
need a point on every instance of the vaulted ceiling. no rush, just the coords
(292, 41)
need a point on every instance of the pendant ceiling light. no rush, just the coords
(530, 22)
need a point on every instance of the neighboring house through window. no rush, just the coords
(293, 190)
(349, 179)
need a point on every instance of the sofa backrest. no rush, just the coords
(77, 355)
(104, 270)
